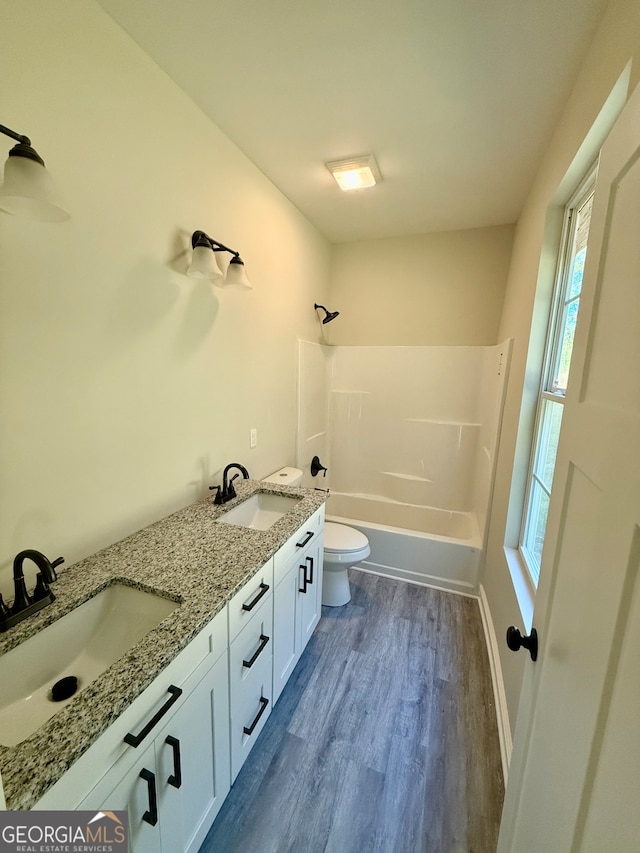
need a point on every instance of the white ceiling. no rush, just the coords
(455, 98)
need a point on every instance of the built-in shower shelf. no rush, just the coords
(443, 423)
(406, 477)
(346, 391)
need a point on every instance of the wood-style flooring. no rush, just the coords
(384, 740)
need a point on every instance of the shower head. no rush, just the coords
(329, 315)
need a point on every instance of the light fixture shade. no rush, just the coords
(358, 173)
(204, 264)
(28, 189)
(237, 275)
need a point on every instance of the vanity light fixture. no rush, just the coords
(204, 263)
(28, 188)
(358, 173)
(328, 315)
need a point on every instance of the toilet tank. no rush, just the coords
(285, 477)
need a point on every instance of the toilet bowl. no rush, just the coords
(343, 547)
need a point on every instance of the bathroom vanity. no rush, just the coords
(164, 730)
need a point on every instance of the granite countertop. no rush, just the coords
(187, 557)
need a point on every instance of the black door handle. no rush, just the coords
(305, 581)
(515, 641)
(263, 590)
(136, 740)
(248, 730)
(306, 539)
(151, 816)
(176, 777)
(263, 642)
(310, 561)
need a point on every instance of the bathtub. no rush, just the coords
(420, 544)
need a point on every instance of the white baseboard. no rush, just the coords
(502, 711)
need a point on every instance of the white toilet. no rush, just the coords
(343, 547)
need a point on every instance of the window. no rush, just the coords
(555, 373)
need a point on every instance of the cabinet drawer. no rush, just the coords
(298, 544)
(253, 644)
(244, 603)
(251, 701)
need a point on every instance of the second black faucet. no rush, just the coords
(227, 492)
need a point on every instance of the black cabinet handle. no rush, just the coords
(176, 777)
(304, 578)
(136, 740)
(263, 642)
(263, 707)
(310, 561)
(151, 816)
(264, 589)
(307, 539)
(515, 641)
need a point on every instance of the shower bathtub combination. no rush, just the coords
(420, 544)
(409, 437)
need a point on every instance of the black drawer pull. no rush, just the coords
(264, 589)
(310, 561)
(151, 816)
(263, 706)
(176, 777)
(307, 539)
(304, 578)
(263, 642)
(136, 740)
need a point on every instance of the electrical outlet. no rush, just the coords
(253, 437)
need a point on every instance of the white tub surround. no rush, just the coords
(419, 544)
(409, 435)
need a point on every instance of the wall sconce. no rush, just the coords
(329, 315)
(204, 263)
(28, 188)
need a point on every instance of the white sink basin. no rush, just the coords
(260, 511)
(83, 643)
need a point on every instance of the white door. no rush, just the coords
(574, 781)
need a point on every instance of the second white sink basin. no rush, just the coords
(83, 643)
(260, 511)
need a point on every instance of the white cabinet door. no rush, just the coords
(175, 788)
(137, 793)
(286, 635)
(297, 600)
(310, 595)
(192, 757)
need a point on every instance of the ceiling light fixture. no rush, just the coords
(28, 188)
(358, 173)
(204, 263)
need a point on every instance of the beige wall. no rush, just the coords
(430, 289)
(564, 161)
(125, 386)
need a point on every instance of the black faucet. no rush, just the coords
(24, 604)
(227, 492)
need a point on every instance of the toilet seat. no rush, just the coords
(340, 539)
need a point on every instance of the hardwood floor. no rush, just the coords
(384, 740)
